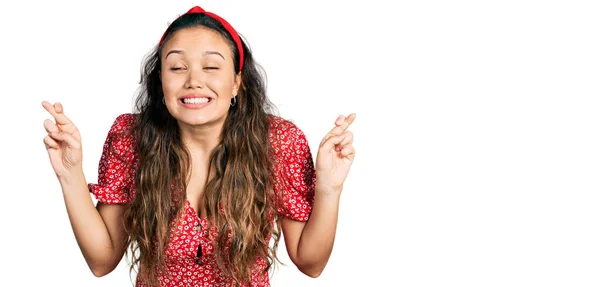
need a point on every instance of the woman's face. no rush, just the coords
(198, 76)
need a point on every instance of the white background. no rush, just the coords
(477, 130)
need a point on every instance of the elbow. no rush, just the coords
(311, 266)
(311, 271)
(99, 273)
(100, 269)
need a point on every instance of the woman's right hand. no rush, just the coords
(63, 142)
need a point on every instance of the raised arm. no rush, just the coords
(309, 244)
(99, 231)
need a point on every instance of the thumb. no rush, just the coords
(66, 137)
(332, 141)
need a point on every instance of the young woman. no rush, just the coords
(199, 180)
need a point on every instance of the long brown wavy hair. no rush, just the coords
(242, 183)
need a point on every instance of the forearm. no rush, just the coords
(90, 231)
(318, 235)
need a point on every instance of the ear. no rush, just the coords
(237, 83)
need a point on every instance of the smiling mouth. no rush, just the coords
(195, 101)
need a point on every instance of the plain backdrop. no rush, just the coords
(477, 130)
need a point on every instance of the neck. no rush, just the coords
(201, 140)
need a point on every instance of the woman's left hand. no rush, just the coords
(335, 156)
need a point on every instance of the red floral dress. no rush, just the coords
(294, 185)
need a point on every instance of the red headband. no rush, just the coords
(232, 32)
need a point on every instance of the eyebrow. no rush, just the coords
(173, 52)
(214, 53)
(205, 53)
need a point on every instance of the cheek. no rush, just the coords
(220, 84)
(170, 85)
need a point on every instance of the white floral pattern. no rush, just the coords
(294, 186)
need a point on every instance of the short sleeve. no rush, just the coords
(295, 172)
(116, 170)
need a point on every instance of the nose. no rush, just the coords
(195, 79)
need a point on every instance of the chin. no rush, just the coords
(196, 121)
(199, 117)
(199, 120)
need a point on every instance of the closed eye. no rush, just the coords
(176, 69)
(211, 68)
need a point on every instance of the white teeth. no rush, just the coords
(195, 100)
